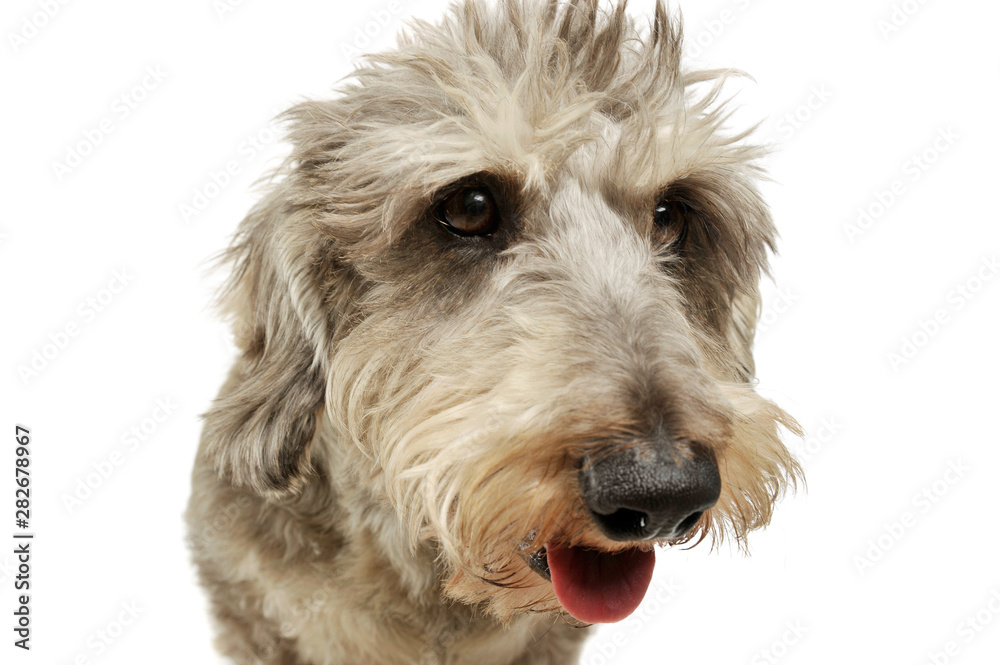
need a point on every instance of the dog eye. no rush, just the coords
(470, 211)
(670, 218)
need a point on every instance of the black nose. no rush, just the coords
(650, 490)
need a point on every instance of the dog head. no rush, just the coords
(505, 289)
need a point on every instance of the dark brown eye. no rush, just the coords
(671, 219)
(469, 211)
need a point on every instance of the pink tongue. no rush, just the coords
(599, 587)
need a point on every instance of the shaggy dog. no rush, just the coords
(495, 317)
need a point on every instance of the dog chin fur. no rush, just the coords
(404, 424)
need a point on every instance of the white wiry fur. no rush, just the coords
(406, 421)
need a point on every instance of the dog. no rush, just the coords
(494, 316)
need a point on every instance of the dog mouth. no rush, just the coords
(595, 586)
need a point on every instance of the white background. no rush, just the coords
(885, 559)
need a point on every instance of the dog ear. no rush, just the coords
(257, 433)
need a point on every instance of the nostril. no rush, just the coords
(623, 524)
(687, 523)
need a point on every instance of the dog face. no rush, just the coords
(504, 292)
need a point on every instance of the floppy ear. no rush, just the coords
(257, 433)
